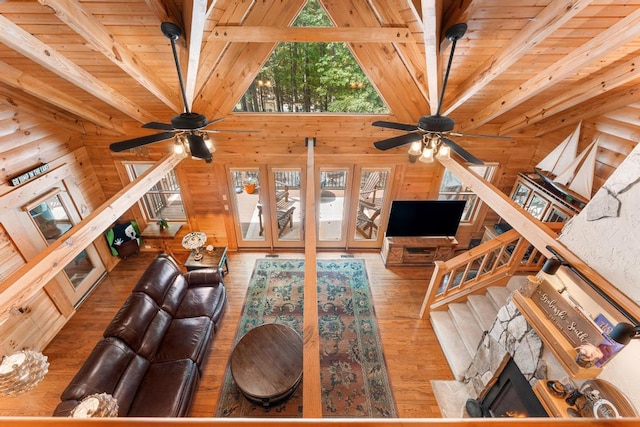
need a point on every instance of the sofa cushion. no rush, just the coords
(102, 370)
(175, 294)
(129, 383)
(167, 390)
(131, 322)
(158, 278)
(206, 301)
(186, 339)
(203, 276)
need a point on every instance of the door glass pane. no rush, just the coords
(370, 202)
(331, 211)
(286, 191)
(249, 212)
(53, 221)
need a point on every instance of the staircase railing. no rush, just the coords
(491, 263)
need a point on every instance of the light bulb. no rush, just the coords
(416, 148)
(178, 148)
(427, 155)
(444, 152)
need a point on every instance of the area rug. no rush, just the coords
(352, 367)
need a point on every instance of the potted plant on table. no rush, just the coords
(250, 185)
(163, 224)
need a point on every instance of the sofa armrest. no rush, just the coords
(203, 277)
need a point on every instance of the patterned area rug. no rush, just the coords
(352, 366)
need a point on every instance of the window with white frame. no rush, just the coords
(452, 189)
(163, 200)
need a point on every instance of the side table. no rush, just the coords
(217, 258)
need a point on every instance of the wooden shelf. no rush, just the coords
(553, 338)
(555, 406)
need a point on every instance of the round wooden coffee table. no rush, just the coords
(266, 364)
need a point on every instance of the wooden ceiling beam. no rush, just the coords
(552, 17)
(264, 34)
(35, 108)
(80, 19)
(431, 12)
(614, 78)
(19, 80)
(196, 12)
(243, 61)
(26, 44)
(213, 50)
(625, 30)
(396, 13)
(595, 107)
(167, 11)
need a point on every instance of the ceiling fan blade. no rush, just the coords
(139, 142)
(230, 130)
(158, 126)
(393, 125)
(397, 141)
(461, 151)
(212, 121)
(478, 135)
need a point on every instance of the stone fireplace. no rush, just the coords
(510, 336)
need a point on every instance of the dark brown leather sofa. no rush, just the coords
(152, 353)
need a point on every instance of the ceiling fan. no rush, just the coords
(429, 136)
(188, 127)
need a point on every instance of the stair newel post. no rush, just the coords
(439, 271)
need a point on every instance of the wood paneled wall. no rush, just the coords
(26, 141)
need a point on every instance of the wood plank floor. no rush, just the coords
(411, 349)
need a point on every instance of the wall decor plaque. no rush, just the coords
(569, 320)
(28, 175)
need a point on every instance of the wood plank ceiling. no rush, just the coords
(532, 67)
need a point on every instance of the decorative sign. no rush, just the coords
(24, 177)
(572, 323)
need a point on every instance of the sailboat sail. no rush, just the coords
(561, 157)
(581, 180)
(571, 174)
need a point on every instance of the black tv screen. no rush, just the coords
(424, 218)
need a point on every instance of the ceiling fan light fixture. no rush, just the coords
(178, 148)
(427, 155)
(207, 141)
(416, 148)
(444, 152)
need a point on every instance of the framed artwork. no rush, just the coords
(608, 347)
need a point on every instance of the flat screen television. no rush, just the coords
(424, 218)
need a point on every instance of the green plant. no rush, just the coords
(163, 224)
(250, 181)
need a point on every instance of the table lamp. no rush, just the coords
(194, 240)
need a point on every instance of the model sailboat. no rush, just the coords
(569, 172)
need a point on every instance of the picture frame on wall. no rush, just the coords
(608, 347)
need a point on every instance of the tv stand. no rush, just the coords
(417, 250)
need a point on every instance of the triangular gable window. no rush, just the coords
(312, 77)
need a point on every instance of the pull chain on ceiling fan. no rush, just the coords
(189, 128)
(430, 135)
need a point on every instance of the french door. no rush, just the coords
(268, 206)
(352, 204)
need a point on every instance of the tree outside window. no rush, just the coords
(451, 189)
(163, 200)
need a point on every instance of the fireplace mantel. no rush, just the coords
(553, 339)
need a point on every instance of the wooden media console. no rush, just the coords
(417, 250)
